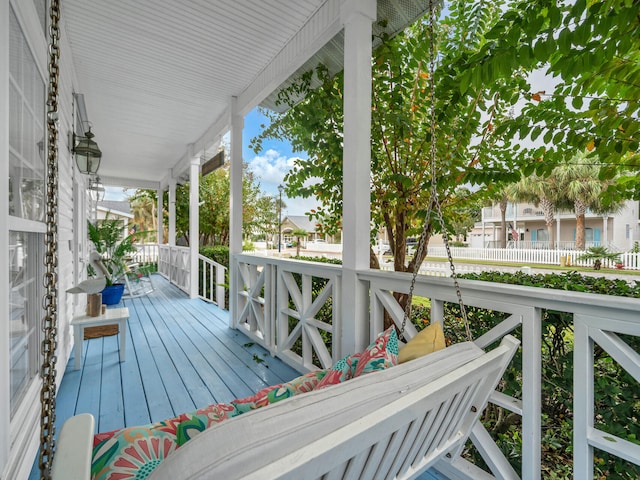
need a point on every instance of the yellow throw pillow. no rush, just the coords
(431, 339)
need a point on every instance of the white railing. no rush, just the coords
(173, 263)
(442, 269)
(212, 286)
(631, 261)
(277, 308)
(598, 318)
(540, 244)
(145, 253)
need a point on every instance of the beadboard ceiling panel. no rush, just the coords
(158, 75)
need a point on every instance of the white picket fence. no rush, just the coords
(631, 261)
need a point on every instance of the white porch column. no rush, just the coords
(5, 441)
(160, 193)
(604, 241)
(194, 224)
(172, 212)
(357, 16)
(557, 245)
(235, 207)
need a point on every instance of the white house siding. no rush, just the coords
(19, 435)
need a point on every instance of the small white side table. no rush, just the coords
(111, 316)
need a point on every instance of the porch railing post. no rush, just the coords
(531, 394)
(582, 400)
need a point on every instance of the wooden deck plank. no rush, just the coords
(234, 352)
(154, 392)
(184, 354)
(172, 379)
(204, 360)
(268, 372)
(89, 394)
(218, 357)
(111, 400)
(136, 409)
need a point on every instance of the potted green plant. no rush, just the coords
(114, 248)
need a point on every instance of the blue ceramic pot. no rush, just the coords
(112, 294)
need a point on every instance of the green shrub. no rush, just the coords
(217, 253)
(617, 399)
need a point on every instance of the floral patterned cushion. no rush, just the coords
(275, 393)
(134, 452)
(380, 354)
(343, 370)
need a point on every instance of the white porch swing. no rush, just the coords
(394, 424)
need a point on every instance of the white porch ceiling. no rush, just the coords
(158, 75)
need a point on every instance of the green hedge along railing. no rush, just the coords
(617, 397)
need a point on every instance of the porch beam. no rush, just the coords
(129, 183)
(235, 206)
(194, 224)
(357, 17)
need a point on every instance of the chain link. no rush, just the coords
(49, 301)
(434, 201)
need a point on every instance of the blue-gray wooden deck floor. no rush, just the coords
(180, 356)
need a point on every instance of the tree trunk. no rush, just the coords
(547, 209)
(503, 223)
(580, 210)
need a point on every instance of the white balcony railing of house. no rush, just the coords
(629, 260)
(279, 301)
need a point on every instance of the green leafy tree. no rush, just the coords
(400, 137)
(144, 208)
(214, 191)
(591, 48)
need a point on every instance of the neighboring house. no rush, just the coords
(117, 210)
(291, 223)
(617, 231)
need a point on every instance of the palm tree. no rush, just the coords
(299, 234)
(143, 207)
(579, 181)
(544, 193)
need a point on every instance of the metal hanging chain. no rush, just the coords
(434, 201)
(49, 301)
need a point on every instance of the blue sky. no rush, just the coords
(270, 166)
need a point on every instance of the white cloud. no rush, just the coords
(271, 167)
(298, 206)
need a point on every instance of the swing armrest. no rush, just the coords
(72, 459)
